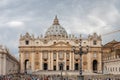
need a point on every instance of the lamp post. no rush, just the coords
(80, 52)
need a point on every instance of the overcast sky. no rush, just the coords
(76, 16)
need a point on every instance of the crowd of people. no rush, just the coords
(29, 77)
(19, 76)
(104, 79)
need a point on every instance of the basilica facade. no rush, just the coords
(111, 57)
(8, 63)
(48, 52)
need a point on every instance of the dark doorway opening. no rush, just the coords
(54, 67)
(76, 66)
(45, 66)
(95, 64)
(67, 67)
(25, 65)
(61, 66)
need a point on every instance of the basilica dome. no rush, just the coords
(56, 30)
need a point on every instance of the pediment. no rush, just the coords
(117, 45)
(59, 44)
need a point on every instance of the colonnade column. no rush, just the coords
(73, 67)
(64, 65)
(41, 61)
(0, 63)
(70, 61)
(57, 68)
(4, 65)
(89, 66)
(21, 62)
(49, 61)
(99, 63)
(32, 61)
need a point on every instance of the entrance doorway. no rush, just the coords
(76, 66)
(45, 66)
(26, 65)
(95, 64)
(61, 66)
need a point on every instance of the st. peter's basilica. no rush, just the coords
(47, 53)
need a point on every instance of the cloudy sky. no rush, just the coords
(76, 16)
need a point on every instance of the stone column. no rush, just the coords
(49, 61)
(99, 63)
(64, 65)
(32, 61)
(70, 61)
(21, 62)
(4, 65)
(57, 66)
(0, 63)
(89, 67)
(41, 61)
(73, 59)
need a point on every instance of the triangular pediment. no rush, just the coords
(117, 45)
(61, 44)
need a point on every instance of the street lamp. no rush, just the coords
(80, 52)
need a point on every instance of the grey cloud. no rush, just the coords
(37, 16)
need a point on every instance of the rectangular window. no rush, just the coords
(94, 42)
(27, 42)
